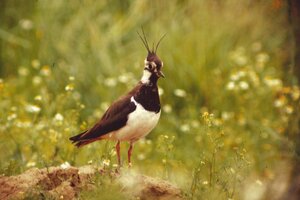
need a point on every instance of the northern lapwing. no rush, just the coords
(133, 115)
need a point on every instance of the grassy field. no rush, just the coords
(227, 97)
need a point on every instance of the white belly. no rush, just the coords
(140, 122)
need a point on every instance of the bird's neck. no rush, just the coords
(147, 94)
(148, 78)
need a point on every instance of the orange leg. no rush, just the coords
(118, 152)
(129, 154)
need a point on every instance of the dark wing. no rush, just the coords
(113, 119)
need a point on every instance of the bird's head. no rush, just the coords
(153, 64)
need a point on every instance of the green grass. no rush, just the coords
(226, 98)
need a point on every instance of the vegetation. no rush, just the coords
(226, 100)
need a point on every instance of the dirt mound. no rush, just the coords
(66, 183)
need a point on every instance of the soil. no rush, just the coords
(67, 183)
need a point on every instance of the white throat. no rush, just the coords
(146, 77)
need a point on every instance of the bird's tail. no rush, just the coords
(77, 140)
(80, 141)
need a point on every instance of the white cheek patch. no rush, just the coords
(153, 64)
(146, 77)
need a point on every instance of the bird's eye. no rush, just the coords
(150, 67)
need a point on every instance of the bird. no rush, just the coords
(135, 114)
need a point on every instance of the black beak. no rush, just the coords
(160, 74)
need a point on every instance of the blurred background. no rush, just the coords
(228, 100)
